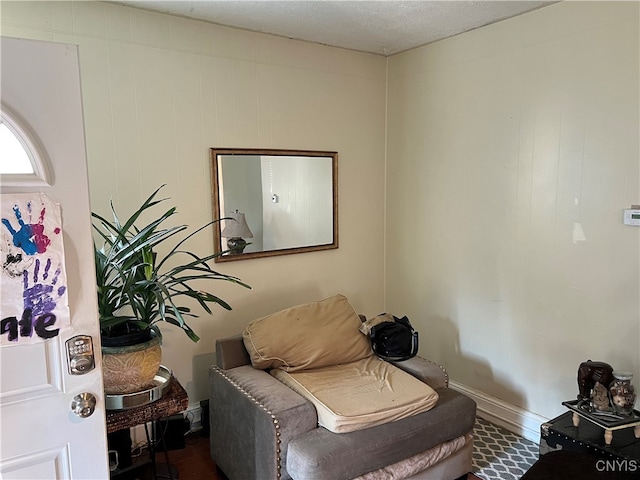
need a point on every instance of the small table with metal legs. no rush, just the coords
(174, 400)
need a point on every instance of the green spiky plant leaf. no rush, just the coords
(137, 288)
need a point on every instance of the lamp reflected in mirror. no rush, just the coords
(235, 231)
(288, 197)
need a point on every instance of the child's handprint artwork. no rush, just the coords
(29, 237)
(43, 294)
(34, 300)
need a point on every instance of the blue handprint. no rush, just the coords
(42, 298)
(30, 237)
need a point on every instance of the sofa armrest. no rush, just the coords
(245, 399)
(429, 372)
(230, 352)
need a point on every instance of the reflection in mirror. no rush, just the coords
(276, 202)
(235, 232)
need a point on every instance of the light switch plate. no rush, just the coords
(632, 217)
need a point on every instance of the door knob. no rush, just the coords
(83, 404)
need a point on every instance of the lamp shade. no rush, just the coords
(236, 227)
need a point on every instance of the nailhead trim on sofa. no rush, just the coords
(446, 374)
(274, 419)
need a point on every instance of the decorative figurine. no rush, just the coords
(590, 373)
(600, 398)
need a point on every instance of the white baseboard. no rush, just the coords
(515, 419)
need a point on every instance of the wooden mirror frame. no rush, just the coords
(218, 214)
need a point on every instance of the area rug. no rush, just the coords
(499, 454)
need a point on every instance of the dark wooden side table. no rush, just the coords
(174, 400)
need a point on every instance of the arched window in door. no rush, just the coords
(23, 162)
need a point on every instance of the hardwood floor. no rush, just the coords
(190, 463)
(194, 461)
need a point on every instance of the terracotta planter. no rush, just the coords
(130, 369)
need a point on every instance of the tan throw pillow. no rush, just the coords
(312, 335)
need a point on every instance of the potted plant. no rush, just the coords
(140, 284)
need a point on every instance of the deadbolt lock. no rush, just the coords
(80, 358)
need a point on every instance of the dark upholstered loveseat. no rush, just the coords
(261, 429)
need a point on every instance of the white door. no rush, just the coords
(41, 437)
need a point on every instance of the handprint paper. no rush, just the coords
(33, 283)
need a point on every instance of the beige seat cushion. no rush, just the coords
(360, 394)
(307, 336)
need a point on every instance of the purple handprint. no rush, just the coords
(30, 237)
(43, 297)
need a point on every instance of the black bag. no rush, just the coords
(394, 341)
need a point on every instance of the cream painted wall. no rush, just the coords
(505, 143)
(159, 91)
(512, 151)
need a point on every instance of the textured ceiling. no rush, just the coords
(383, 26)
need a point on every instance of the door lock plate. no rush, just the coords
(80, 359)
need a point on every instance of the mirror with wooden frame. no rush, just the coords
(273, 202)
